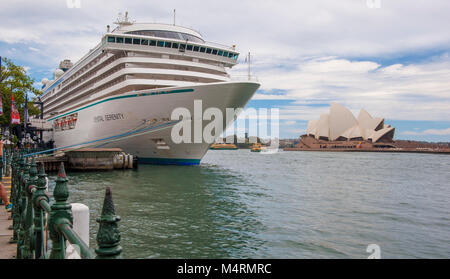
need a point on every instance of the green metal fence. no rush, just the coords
(34, 218)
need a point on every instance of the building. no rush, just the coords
(340, 129)
(341, 125)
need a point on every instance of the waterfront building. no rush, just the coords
(341, 125)
(340, 129)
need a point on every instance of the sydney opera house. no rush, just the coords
(340, 129)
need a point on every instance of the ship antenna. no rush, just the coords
(123, 20)
(249, 65)
(174, 16)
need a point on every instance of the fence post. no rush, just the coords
(108, 237)
(60, 215)
(39, 194)
(14, 190)
(23, 178)
(8, 164)
(29, 214)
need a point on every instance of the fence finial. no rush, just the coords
(61, 214)
(108, 237)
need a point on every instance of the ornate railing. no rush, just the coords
(34, 218)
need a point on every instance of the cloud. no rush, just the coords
(314, 52)
(259, 96)
(437, 132)
(415, 91)
(297, 131)
(271, 30)
(290, 122)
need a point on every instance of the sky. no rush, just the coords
(388, 57)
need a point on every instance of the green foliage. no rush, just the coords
(15, 77)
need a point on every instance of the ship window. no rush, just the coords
(128, 40)
(111, 39)
(230, 55)
(168, 44)
(136, 41)
(225, 54)
(174, 45)
(220, 53)
(214, 51)
(119, 40)
(189, 47)
(160, 43)
(168, 34)
(196, 48)
(208, 50)
(235, 57)
(152, 42)
(144, 42)
(202, 49)
(182, 47)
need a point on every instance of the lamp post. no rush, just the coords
(27, 140)
(34, 141)
(39, 102)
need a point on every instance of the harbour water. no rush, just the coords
(239, 204)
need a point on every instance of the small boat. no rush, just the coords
(257, 147)
(223, 146)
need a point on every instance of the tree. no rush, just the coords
(15, 77)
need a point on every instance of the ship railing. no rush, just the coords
(35, 218)
(232, 48)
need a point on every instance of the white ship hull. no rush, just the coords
(112, 121)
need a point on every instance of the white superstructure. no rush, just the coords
(132, 80)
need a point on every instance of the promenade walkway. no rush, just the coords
(7, 250)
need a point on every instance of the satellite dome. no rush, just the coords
(44, 81)
(58, 73)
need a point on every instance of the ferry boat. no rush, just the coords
(223, 146)
(132, 81)
(256, 147)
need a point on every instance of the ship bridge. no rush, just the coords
(161, 30)
(134, 57)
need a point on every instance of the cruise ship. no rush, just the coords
(122, 93)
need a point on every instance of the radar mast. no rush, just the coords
(123, 20)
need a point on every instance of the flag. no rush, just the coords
(15, 116)
(25, 112)
(1, 101)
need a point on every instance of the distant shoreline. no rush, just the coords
(396, 150)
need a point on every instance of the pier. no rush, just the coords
(38, 228)
(7, 250)
(89, 159)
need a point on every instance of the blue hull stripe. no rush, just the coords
(169, 161)
(124, 97)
